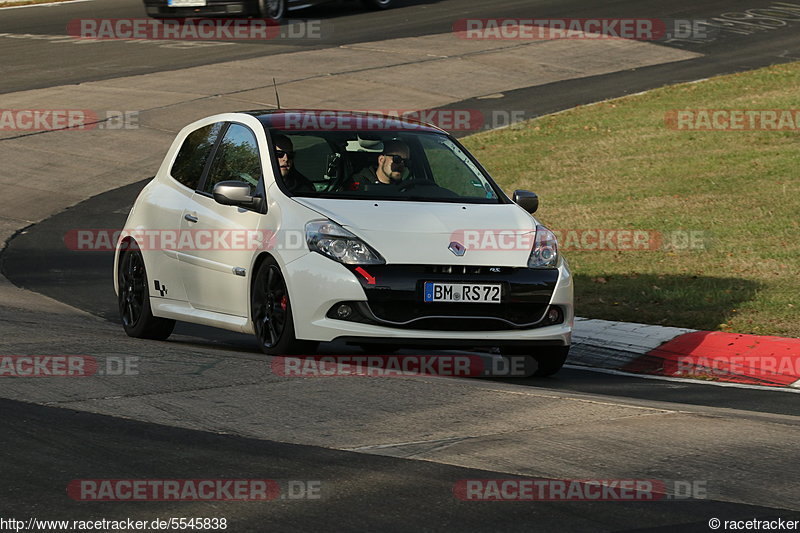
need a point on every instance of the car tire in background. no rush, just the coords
(549, 360)
(272, 9)
(378, 4)
(134, 298)
(271, 312)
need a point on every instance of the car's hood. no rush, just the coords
(421, 232)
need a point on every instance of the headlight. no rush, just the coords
(332, 240)
(545, 249)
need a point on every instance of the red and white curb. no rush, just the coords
(686, 353)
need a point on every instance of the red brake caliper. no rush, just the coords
(284, 302)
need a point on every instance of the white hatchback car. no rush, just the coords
(312, 226)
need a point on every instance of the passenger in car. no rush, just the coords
(284, 154)
(391, 164)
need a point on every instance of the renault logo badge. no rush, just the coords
(457, 248)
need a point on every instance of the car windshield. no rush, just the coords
(404, 166)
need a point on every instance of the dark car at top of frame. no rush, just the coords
(268, 9)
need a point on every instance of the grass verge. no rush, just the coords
(617, 165)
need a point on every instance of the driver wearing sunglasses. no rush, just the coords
(284, 155)
(392, 163)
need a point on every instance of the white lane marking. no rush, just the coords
(687, 380)
(49, 4)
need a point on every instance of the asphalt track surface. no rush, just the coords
(372, 492)
(43, 448)
(31, 62)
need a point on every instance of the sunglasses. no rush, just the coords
(398, 159)
(280, 153)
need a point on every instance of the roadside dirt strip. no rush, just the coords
(687, 353)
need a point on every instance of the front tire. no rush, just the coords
(271, 312)
(272, 9)
(549, 360)
(134, 298)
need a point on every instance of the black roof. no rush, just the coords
(338, 120)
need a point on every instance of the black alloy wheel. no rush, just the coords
(134, 298)
(271, 312)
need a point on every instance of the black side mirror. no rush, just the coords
(527, 200)
(236, 193)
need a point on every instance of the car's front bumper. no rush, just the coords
(213, 8)
(316, 284)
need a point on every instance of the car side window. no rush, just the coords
(236, 159)
(192, 157)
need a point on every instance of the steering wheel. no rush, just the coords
(411, 184)
(335, 167)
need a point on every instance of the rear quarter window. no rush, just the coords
(191, 160)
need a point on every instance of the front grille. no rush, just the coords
(462, 270)
(458, 317)
(395, 297)
(210, 9)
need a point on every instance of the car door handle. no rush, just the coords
(190, 218)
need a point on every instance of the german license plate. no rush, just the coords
(186, 3)
(462, 292)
